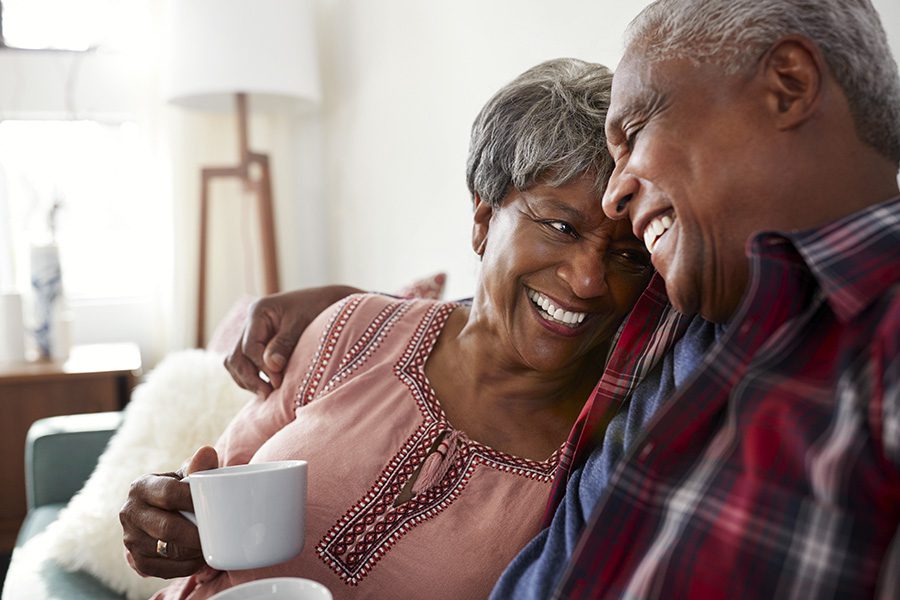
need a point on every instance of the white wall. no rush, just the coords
(403, 81)
(370, 190)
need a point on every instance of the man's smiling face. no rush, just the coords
(689, 145)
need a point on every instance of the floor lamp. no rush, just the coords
(244, 55)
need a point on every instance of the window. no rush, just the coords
(77, 129)
(107, 223)
(97, 171)
(56, 24)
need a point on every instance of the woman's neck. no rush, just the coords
(487, 391)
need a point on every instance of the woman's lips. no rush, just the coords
(552, 313)
(578, 321)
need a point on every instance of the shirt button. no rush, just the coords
(645, 451)
(745, 328)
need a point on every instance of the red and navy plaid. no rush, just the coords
(774, 472)
(650, 330)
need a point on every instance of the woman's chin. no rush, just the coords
(550, 360)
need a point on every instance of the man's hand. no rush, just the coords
(273, 326)
(150, 516)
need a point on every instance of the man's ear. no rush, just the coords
(481, 222)
(794, 70)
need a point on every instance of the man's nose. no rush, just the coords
(619, 192)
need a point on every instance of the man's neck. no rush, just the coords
(842, 176)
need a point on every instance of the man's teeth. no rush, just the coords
(654, 230)
(554, 313)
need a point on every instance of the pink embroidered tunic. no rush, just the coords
(356, 404)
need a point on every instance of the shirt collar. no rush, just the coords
(854, 259)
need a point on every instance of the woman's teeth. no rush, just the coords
(552, 313)
(655, 229)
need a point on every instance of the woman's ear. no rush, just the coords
(481, 222)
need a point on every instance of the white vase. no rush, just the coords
(46, 287)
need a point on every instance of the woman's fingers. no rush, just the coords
(165, 542)
(172, 528)
(173, 551)
(165, 491)
(161, 543)
(150, 515)
(204, 458)
(164, 568)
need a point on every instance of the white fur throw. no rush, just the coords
(185, 403)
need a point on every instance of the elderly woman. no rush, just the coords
(433, 429)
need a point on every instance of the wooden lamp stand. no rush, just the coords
(253, 170)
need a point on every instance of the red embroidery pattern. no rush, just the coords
(358, 353)
(365, 533)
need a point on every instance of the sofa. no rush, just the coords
(60, 454)
(78, 467)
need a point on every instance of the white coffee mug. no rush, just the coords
(250, 516)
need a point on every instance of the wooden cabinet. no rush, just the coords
(95, 378)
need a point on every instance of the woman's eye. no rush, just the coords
(633, 260)
(562, 227)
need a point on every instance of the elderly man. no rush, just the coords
(756, 145)
(766, 130)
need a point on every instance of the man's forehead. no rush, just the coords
(642, 85)
(633, 89)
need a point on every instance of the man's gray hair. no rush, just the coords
(544, 127)
(736, 33)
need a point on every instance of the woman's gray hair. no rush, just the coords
(544, 127)
(736, 33)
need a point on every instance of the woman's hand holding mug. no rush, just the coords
(159, 541)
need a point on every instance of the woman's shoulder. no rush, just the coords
(361, 327)
(365, 315)
(369, 309)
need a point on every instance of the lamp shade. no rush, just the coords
(263, 48)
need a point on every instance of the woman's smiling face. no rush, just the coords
(557, 275)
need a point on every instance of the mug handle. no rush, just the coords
(185, 513)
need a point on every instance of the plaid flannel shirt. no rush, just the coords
(775, 471)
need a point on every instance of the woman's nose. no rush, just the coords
(585, 273)
(619, 191)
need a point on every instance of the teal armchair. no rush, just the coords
(60, 454)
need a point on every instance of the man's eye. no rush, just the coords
(562, 227)
(631, 136)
